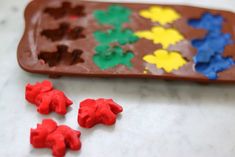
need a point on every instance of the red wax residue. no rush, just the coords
(73, 17)
(58, 138)
(46, 98)
(102, 111)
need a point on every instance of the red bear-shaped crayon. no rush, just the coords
(58, 138)
(92, 112)
(46, 98)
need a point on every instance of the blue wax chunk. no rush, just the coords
(216, 64)
(212, 44)
(208, 22)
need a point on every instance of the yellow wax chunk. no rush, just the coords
(164, 36)
(163, 15)
(168, 61)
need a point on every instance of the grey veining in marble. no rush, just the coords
(160, 119)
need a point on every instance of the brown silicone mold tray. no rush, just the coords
(173, 42)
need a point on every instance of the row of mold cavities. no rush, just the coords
(163, 58)
(209, 59)
(109, 51)
(64, 32)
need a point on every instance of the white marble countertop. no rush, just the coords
(160, 119)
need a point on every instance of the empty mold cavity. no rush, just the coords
(66, 9)
(64, 32)
(62, 56)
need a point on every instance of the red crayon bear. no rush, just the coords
(46, 98)
(58, 138)
(92, 112)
